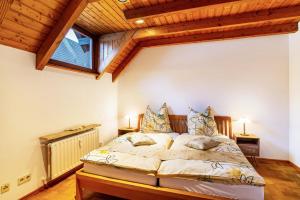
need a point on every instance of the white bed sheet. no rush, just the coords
(241, 192)
(122, 174)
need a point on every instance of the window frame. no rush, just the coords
(78, 68)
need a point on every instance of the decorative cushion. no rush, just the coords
(141, 139)
(202, 123)
(156, 122)
(202, 143)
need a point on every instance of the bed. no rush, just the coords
(167, 186)
(119, 159)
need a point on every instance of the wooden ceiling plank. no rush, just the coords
(20, 38)
(68, 18)
(4, 7)
(90, 17)
(97, 15)
(17, 45)
(17, 6)
(27, 22)
(111, 15)
(176, 6)
(43, 9)
(23, 30)
(228, 21)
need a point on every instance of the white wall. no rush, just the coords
(295, 98)
(34, 103)
(244, 77)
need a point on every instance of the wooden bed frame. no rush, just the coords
(131, 190)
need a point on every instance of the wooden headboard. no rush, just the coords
(179, 124)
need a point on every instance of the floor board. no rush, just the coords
(282, 182)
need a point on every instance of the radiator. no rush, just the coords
(64, 155)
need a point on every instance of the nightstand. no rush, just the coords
(249, 144)
(122, 131)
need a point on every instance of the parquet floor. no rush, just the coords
(282, 182)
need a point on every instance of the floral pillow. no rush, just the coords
(202, 123)
(156, 122)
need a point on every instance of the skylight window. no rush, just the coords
(75, 49)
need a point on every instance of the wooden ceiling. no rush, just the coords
(38, 25)
(107, 16)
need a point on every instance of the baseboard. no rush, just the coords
(271, 159)
(278, 160)
(294, 165)
(52, 182)
(62, 177)
(40, 189)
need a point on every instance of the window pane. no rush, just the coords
(76, 49)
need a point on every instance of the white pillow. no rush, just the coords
(141, 139)
(202, 143)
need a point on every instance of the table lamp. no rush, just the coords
(244, 121)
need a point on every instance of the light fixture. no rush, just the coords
(139, 21)
(244, 120)
(122, 1)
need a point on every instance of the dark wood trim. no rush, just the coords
(53, 182)
(71, 67)
(95, 55)
(84, 31)
(125, 61)
(174, 7)
(65, 22)
(33, 193)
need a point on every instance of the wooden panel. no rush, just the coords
(119, 22)
(54, 38)
(27, 23)
(271, 16)
(132, 190)
(179, 124)
(113, 46)
(175, 7)
(4, 7)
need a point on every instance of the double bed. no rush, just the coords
(169, 169)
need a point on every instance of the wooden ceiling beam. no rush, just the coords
(249, 18)
(65, 22)
(233, 34)
(177, 6)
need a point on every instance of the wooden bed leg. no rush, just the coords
(78, 190)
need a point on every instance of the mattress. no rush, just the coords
(119, 173)
(241, 192)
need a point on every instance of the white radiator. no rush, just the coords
(65, 154)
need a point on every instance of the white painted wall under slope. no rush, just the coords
(243, 77)
(295, 98)
(34, 103)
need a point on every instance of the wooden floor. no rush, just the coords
(282, 182)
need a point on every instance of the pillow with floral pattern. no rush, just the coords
(156, 122)
(202, 123)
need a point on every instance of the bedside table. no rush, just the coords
(249, 144)
(122, 131)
